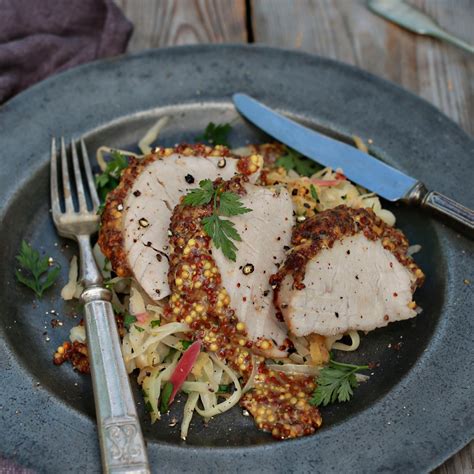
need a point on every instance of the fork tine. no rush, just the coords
(66, 184)
(90, 178)
(81, 196)
(54, 181)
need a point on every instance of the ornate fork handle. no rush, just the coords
(121, 440)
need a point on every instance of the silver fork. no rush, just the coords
(121, 440)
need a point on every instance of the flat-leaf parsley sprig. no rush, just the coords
(35, 271)
(336, 382)
(110, 178)
(216, 134)
(225, 203)
(292, 160)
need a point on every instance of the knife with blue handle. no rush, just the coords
(358, 166)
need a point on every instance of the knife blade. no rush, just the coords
(358, 166)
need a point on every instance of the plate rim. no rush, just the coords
(38, 88)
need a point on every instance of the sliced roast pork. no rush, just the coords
(135, 221)
(208, 287)
(265, 233)
(347, 270)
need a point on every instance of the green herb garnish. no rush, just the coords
(221, 231)
(35, 271)
(223, 389)
(128, 320)
(335, 383)
(100, 208)
(155, 323)
(110, 178)
(216, 134)
(231, 205)
(165, 397)
(293, 160)
(185, 344)
(138, 328)
(314, 194)
(200, 196)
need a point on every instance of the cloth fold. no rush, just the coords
(42, 37)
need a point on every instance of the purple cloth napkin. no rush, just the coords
(9, 467)
(42, 37)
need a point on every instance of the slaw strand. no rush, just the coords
(188, 413)
(231, 401)
(151, 135)
(102, 150)
(355, 342)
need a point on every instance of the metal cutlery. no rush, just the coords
(121, 440)
(414, 20)
(358, 166)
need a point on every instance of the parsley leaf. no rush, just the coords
(35, 272)
(293, 160)
(223, 389)
(314, 194)
(231, 205)
(185, 344)
(138, 328)
(200, 196)
(165, 397)
(336, 383)
(216, 134)
(221, 231)
(155, 323)
(128, 320)
(110, 178)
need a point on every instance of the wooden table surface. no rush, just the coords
(341, 29)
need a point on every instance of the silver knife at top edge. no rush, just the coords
(358, 166)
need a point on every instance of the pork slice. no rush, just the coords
(136, 241)
(347, 271)
(265, 232)
(355, 285)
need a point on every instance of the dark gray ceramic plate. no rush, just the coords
(417, 408)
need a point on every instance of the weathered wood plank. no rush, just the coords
(460, 463)
(176, 22)
(348, 31)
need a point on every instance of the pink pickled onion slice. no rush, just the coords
(326, 182)
(184, 366)
(142, 317)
